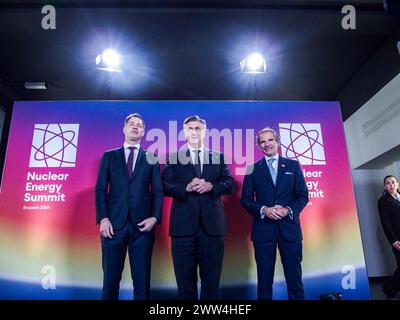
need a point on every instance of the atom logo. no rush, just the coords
(302, 142)
(54, 145)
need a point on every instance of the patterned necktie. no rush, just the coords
(130, 160)
(197, 164)
(272, 170)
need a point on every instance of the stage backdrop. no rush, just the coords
(50, 244)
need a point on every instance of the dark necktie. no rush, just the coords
(197, 164)
(130, 160)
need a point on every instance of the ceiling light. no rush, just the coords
(254, 63)
(109, 61)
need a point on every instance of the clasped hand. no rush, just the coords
(199, 185)
(276, 212)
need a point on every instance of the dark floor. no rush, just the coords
(375, 287)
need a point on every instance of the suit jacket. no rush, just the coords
(290, 190)
(119, 197)
(189, 207)
(389, 213)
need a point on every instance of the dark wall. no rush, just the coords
(382, 67)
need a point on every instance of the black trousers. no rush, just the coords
(201, 252)
(140, 247)
(393, 285)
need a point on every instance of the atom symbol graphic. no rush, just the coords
(303, 145)
(55, 146)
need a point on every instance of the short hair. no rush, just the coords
(194, 118)
(136, 115)
(389, 176)
(268, 129)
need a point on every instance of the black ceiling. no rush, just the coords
(189, 50)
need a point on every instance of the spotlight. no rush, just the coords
(109, 61)
(254, 63)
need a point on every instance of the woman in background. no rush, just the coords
(389, 213)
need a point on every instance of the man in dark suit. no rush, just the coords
(128, 205)
(274, 193)
(195, 178)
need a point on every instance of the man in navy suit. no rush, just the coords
(128, 205)
(195, 178)
(274, 193)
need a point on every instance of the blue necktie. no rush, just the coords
(271, 169)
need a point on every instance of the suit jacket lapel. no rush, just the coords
(207, 161)
(139, 159)
(265, 170)
(281, 169)
(186, 153)
(121, 156)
